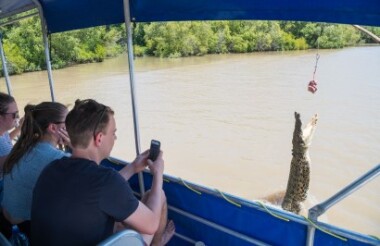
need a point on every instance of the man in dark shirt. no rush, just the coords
(78, 202)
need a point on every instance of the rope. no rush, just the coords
(317, 56)
(374, 237)
(228, 200)
(187, 186)
(316, 64)
(325, 231)
(271, 213)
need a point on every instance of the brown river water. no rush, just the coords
(226, 121)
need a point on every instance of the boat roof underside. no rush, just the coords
(76, 14)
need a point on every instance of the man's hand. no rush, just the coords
(157, 167)
(141, 162)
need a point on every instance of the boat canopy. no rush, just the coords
(64, 15)
(13, 7)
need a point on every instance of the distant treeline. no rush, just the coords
(24, 50)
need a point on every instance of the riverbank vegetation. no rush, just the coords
(24, 51)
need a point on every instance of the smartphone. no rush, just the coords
(154, 149)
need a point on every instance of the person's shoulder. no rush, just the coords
(110, 172)
(5, 136)
(64, 166)
(44, 145)
(5, 144)
(49, 149)
(112, 181)
(96, 173)
(58, 162)
(74, 162)
(85, 166)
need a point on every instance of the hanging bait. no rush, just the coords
(312, 86)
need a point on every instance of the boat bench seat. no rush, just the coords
(4, 241)
(125, 237)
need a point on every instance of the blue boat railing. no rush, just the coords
(321, 208)
(336, 232)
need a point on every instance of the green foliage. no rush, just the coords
(293, 27)
(288, 42)
(27, 37)
(139, 34)
(25, 52)
(139, 50)
(330, 40)
(311, 32)
(351, 36)
(238, 44)
(63, 50)
(301, 44)
(177, 39)
(222, 37)
(338, 36)
(328, 36)
(16, 63)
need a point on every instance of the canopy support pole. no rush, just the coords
(128, 26)
(321, 208)
(46, 48)
(17, 19)
(5, 69)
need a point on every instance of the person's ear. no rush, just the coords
(98, 139)
(52, 128)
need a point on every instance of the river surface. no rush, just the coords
(226, 121)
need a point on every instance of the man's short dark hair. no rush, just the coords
(85, 120)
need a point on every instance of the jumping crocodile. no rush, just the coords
(299, 176)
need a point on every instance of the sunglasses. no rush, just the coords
(14, 115)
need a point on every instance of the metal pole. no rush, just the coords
(46, 48)
(321, 208)
(128, 26)
(218, 227)
(17, 19)
(5, 69)
(310, 235)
